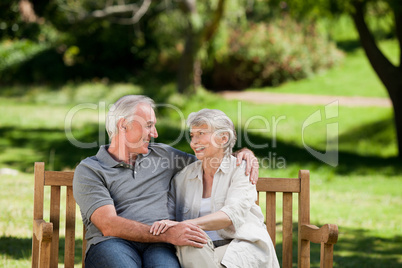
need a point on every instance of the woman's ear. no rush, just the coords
(225, 138)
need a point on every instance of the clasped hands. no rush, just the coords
(159, 227)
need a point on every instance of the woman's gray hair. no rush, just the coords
(219, 123)
(124, 108)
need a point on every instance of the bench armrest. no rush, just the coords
(43, 230)
(41, 243)
(327, 234)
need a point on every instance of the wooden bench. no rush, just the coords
(45, 239)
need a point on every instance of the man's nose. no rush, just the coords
(154, 133)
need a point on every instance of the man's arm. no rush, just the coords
(183, 234)
(252, 166)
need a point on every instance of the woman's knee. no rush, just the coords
(196, 257)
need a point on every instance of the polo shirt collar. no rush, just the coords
(105, 158)
(141, 156)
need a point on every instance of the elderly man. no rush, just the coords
(123, 189)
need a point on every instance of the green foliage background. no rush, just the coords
(64, 46)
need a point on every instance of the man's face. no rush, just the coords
(140, 129)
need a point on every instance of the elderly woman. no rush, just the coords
(215, 194)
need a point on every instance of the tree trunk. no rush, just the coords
(389, 74)
(186, 80)
(189, 77)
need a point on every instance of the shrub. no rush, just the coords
(14, 53)
(268, 54)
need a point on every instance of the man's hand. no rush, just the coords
(186, 234)
(252, 166)
(180, 234)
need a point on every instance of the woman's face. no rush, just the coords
(205, 143)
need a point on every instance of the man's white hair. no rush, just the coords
(124, 108)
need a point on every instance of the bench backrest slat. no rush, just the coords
(55, 219)
(303, 249)
(59, 178)
(287, 229)
(69, 250)
(278, 185)
(270, 215)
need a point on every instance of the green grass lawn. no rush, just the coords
(361, 193)
(354, 77)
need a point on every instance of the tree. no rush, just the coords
(92, 39)
(389, 74)
(199, 32)
(18, 20)
(202, 21)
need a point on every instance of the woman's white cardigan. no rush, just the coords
(232, 193)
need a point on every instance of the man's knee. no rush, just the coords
(113, 253)
(160, 255)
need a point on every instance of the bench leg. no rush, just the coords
(327, 255)
(44, 257)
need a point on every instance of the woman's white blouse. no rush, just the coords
(232, 193)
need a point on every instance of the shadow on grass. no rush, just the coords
(349, 45)
(355, 248)
(349, 162)
(21, 248)
(379, 133)
(15, 247)
(52, 147)
(48, 145)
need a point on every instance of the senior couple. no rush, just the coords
(187, 213)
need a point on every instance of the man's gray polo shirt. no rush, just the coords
(138, 192)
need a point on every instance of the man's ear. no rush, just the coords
(121, 124)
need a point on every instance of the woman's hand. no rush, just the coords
(159, 227)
